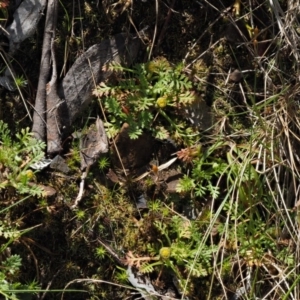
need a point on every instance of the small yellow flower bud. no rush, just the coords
(151, 67)
(165, 253)
(29, 174)
(162, 101)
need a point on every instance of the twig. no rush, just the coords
(111, 252)
(81, 188)
(53, 107)
(39, 127)
(155, 30)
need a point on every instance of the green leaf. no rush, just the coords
(161, 133)
(12, 263)
(186, 184)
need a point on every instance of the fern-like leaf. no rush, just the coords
(148, 268)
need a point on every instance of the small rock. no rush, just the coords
(171, 186)
(112, 176)
(59, 164)
(25, 22)
(141, 202)
(235, 76)
(48, 190)
(172, 180)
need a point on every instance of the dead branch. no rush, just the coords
(39, 124)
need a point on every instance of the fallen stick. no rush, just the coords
(39, 124)
(53, 110)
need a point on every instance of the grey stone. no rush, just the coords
(26, 19)
(92, 68)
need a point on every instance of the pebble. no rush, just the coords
(235, 76)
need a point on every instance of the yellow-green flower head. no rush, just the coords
(158, 65)
(26, 176)
(29, 174)
(152, 67)
(165, 253)
(162, 101)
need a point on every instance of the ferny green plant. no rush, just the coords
(16, 158)
(142, 98)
